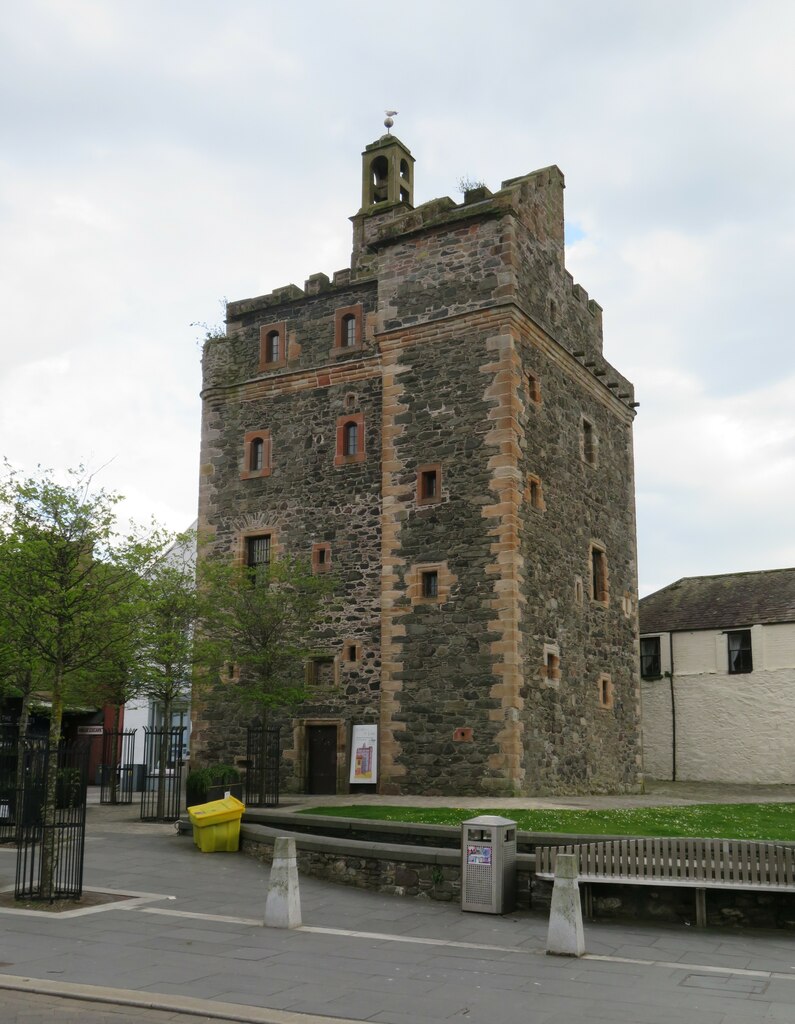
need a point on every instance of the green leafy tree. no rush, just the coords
(70, 586)
(166, 638)
(256, 629)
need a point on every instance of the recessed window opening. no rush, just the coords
(588, 443)
(272, 347)
(740, 652)
(430, 583)
(605, 684)
(578, 592)
(258, 554)
(322, 554)
(350, 439)
(598, 574)
(320, 671)
(350, 652)
(429, 483)
(404, 169)
(535, 492)
(380, 174)
(533, 388)
(553, 310)
(552, 665)
(650, 657)
(257, 456)
(349, 331)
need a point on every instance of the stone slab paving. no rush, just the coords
(360, 956)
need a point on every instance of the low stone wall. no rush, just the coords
(374, 860)
(389, 868)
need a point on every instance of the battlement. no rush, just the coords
(316, 284)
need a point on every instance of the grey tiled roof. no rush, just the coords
(720, 602)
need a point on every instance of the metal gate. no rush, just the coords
(9, 752)
(117, 771)
(262, 761)
(51, 841)
(160, 799)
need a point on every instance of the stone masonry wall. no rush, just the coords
(306, 499)
(467, 700)
(482, 359)
(573, 741)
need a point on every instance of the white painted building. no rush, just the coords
(718, 679)
(143, 712)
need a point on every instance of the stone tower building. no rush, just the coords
(437, 425)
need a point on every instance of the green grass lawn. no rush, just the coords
(712, 821)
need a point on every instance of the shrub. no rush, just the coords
(200, 780)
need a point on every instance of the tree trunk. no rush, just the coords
(22, 735)
(48, 850)
(113, 767)
(165, 747)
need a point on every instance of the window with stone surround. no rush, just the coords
(534, 494)
(322, 671)
(256, 454)
(257, 553)
(347, 329)
(351, 652)
(533, 386)
(350, 439)
(273, 346)
(429, 583)
(605, 691)
(589, 445)
(550, 666)
(429, 484)
(321, 557)
(599, 579)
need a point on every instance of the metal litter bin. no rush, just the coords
(488, 864)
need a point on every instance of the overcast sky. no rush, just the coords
(160, 155)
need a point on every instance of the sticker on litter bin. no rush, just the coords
(479, 855)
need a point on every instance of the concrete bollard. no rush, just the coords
(565, 936)
(283, 902)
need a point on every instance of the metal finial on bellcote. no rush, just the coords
(388, 120)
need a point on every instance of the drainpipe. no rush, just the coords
(673, 707)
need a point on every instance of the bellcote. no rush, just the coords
(387, 175)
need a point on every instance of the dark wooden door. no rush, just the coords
(321, 773)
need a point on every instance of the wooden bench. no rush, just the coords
(699, 864)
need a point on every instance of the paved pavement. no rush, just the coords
(190, 947)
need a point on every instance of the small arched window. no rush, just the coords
(272, 347)
(350, 439)
(348, 331)
(257, 455)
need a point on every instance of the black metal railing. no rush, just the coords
(51, 839)
(160, 799)
(117, 771)
(263, 757)
(9, 753)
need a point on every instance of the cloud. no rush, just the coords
(161, 156)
